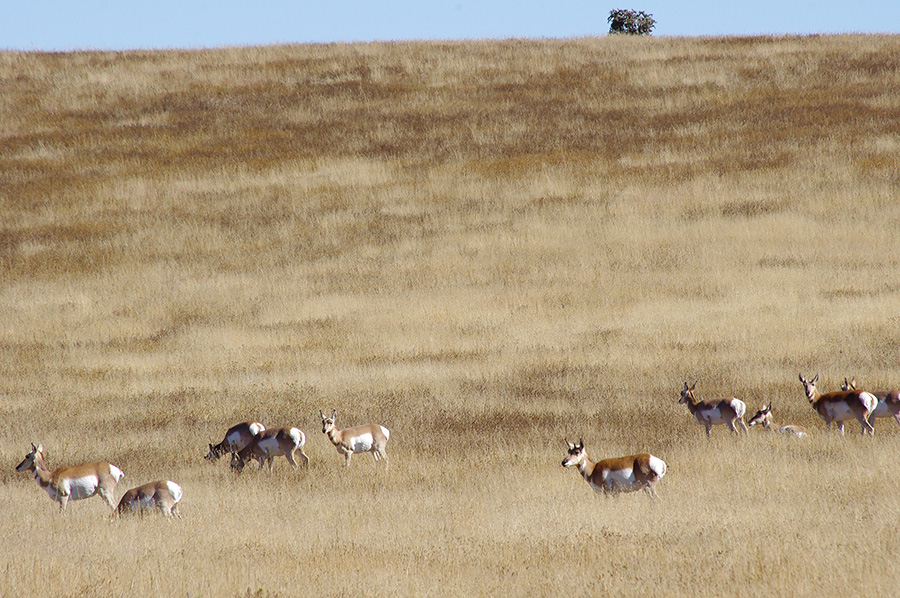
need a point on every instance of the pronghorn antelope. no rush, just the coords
(888, 402)
(269, 444)
(764, 417)
(840, 406)
(624, 474)
(236, 438)
(74, 482)
(368, 438)
(163, 495)
(711, 413)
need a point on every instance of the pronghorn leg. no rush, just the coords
(63, 499)
(290, 457)
(347, 456)
(897, 418)
(708, 428)
(742, 425)
(107, 496)
(867, 428)
(305, 458)
(731, 426)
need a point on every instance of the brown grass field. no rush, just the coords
(487, 247)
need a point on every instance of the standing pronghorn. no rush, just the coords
(74, 482)
(840, 406)
(236, 438)
(163, 495)
(711, 413)
(764, 417)
(269, 444)
(624, 474)
(368, 438)
(888, 401)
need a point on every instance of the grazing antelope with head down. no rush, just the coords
(368, 438)
(764, 417)
(236, 438)
(74, 482)
(711, 413)
(269, 444)
(163, 495)
(888, 402)
(840, 406)
(624, 474)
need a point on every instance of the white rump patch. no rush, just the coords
(116, 472)
(739, 407)
(256, 428)
(175, 490)
(869, 400)
(658, 466)
(298, 437)
(386, 432)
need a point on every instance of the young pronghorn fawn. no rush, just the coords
(888, 401)
(269, 444)
(74, 482)
(711, 413)
(236, 438)
(368, 438)
(840, 406)
(624, 474)
(764, 417)
(163, 496)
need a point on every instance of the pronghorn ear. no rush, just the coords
(40, 448)
(333, 413)
(815, 378)
(853, 382)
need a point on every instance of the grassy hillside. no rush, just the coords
(486, 247)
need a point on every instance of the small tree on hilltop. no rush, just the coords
(630, 21)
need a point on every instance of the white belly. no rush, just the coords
(77, 488)
(269, 446)
(839, 411)
(622, 480)
(882, 409)
(362, 443)
(713, 416)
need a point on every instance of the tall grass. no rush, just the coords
(486, 247)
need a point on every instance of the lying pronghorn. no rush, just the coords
(840, 406)
(711, 413)
(764, 417)
(163, 495)
(74, 482)
(269, 444)
(236, 438)
(888, 402)
(624, 474)
(368, 438)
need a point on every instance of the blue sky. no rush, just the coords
(126, 24)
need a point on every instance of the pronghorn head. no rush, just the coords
(576, 454)
(851, 385)
(761, 415)
(328, 422)
(31, 459)
(687, 395)
(237, 464)
(809, 386)
(213, 454)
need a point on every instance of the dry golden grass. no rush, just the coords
(485, 247)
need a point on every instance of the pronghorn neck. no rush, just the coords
(586, 467)
(334, 436)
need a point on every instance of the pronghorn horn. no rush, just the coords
(33, 448)
(333, 413)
